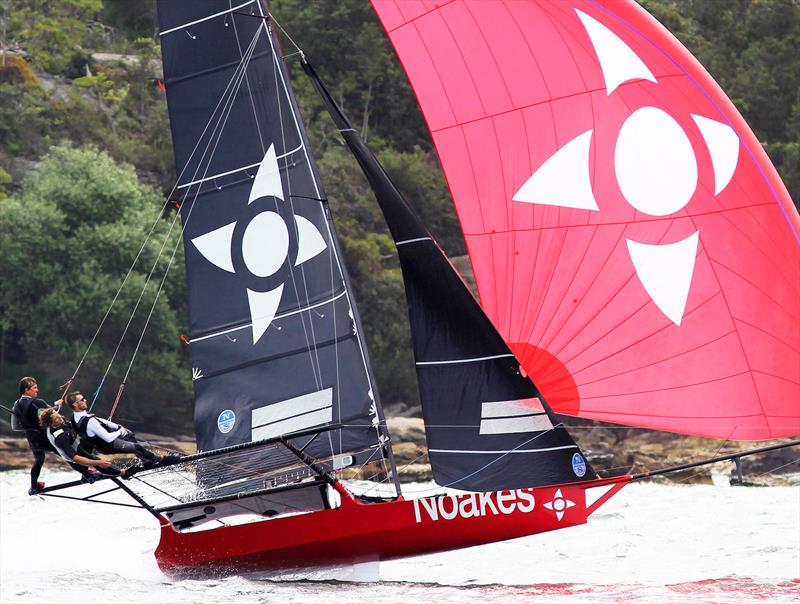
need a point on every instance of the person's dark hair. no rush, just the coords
(26, 383)
(73, 397)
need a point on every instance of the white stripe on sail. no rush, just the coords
(413, 240)
(289, 409)
(524, 406)
(510, 425)
(502, 452)
(473, 360)
(234, 171)
(295, 424)
(195, 22)
(275, 318)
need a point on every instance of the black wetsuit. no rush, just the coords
(27, 411)
(65, 442)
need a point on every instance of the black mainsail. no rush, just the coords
(487, 425)
(276, 340)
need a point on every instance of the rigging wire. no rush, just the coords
(383, 439)
(333, 256)
(152, 229)
(310, 342)
(214, 138)
(316, 369)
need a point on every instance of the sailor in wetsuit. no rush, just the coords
(109, 437)
(26, 417)
(67, 445)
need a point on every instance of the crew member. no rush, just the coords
(67, 445)
(109, 437)
(25, 416)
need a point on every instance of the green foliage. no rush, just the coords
(418, 177)
(76, 228)
(378, 282)
(51, 32)
(136, 19)
(356, 61)
(5, 181)
(26, 118)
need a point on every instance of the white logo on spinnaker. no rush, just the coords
(654, 164)
(473, 505)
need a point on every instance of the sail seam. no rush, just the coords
(513, 416)
(296, 416)
(639, 220)
(208, 18)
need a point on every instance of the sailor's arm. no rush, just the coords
(63, 443)
(85, 461)
(95, 428)
(114, 426)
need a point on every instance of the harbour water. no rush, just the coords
(650, 543)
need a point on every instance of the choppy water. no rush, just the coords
(650, 543)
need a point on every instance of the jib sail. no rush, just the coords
(487, 425)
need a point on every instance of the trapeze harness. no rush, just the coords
(25, 414)
(82, 428)
(68, 444)
(120, 444)
(64, 446)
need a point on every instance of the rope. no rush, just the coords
(135, 307)
(288, 37)
(316, 366)
(152, 229)
(239, 75)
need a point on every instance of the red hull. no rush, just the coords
(358, 532)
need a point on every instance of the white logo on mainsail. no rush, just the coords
(265, 244)
(559, 504)
(655, 167)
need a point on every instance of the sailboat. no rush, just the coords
(635, 252)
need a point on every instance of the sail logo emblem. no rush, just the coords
(655, 167)
(226, 421)
(559, 504)
(266, 244)
(579, 465)
(473, 505)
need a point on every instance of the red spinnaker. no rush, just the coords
(630, 238)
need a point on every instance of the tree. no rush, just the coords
(69, 240)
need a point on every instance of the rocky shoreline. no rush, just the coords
(610, 449)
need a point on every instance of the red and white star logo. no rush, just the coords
(559, 504)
